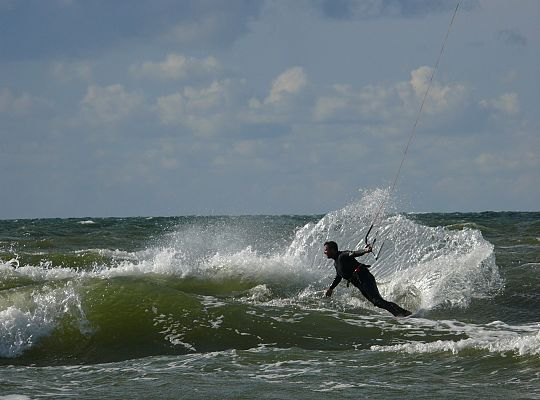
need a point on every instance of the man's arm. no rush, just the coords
(337, 279)
(358, 253)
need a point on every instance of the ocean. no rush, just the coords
(233, 307)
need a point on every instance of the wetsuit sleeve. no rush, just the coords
(337, 279)
(357, 253)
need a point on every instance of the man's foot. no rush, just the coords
(404, 313)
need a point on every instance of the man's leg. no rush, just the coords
(368, 287)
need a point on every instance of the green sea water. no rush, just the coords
(233, 307)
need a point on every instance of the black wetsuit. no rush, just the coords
(349, 268)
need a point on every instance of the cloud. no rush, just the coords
(110, 103)
(212, 22)
(440, 97)
(507, 103)
(222, 105)
(22, 104)
(291, 81)
(511, 37)
(69, 29)
(285, 103)
(345, 104)
(385, 102)
(371, 9)
(177, 67)
(206, 110)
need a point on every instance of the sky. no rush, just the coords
(165, 108)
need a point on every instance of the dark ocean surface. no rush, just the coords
(233, 307)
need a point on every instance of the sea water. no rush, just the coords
(233, 307)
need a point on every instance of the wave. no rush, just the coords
(518, 340)
(34, 314)
(213, 284)
(424, 266)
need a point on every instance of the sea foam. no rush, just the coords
(425, 267)
(34, 315)
(519, 340)
(420, 267)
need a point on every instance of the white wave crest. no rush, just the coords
(519, 343)
(34, 315)
(419, 266)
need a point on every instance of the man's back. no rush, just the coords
(345, 264)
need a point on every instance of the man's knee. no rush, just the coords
(378, 301)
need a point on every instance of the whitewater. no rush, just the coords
(234, 307)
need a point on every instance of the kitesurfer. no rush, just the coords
(347, 267)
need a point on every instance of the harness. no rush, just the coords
(357, 271)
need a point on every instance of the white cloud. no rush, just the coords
(211, 23)
(291, 81)
(222, 105)
(177, 67)
(284, 102)
(346, 104)
(440, 97)
(507, 103)
(328, 107)
(383, 102)
(373, 9)
(21, 104)
(204, 110)
(111, 103)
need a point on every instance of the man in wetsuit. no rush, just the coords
(358, 274)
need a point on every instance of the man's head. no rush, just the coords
(330, 249)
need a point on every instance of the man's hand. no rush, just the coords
(368, 248)
(329, 292)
